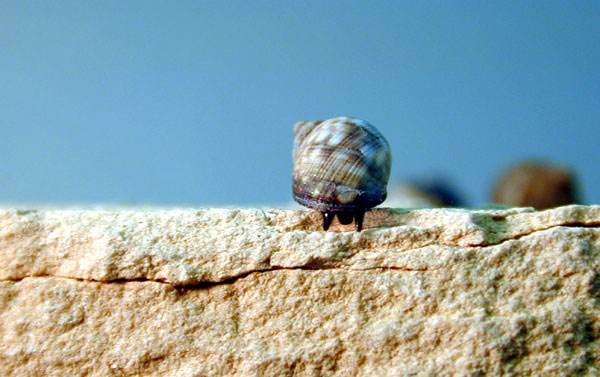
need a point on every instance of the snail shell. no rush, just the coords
(341, 168)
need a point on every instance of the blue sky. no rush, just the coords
(192, 103)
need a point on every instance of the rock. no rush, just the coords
(251, 292)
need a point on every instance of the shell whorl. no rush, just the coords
(340, 164)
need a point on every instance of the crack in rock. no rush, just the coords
(190, 247)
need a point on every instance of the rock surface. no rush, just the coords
(249, 292)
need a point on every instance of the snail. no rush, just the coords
(341, 168)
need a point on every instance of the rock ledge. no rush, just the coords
(251, 292)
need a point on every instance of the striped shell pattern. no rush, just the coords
(340, 165)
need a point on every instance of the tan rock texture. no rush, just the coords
(250, 292)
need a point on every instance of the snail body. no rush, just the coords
(341, 168)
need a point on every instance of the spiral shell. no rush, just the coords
(341, 167)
